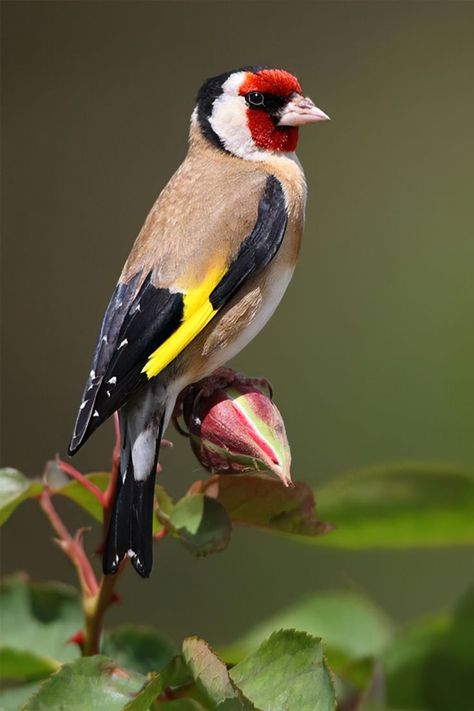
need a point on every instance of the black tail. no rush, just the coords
(130, 529)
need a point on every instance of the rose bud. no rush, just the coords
(234, 426)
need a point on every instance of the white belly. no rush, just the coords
(273, 295)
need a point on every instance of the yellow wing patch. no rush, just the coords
(198, 311)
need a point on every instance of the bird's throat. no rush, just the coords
(267, 135)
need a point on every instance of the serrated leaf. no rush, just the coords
(430, 663)
(212, 677)
(351, 626)
(288, 671)
(154, 686)
(399, 506)
(201, 524)
(90, 683)
(141, 649)
(15, 487)
(182, 705)
(12, 698)
(39, 618)
(22, 665)
(261, 501)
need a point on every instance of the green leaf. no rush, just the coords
(22, 665)
(74, 491)
(39, 618)
(165, 506)
(351, 626)
(141, 649)
(212, 677)
(201, 524)
(430, 664)
(399, 506)
(182, 705)
(94, 683)
(155, 686)
(15, 488)
(288, 671)
(261, 501)
(12, 698)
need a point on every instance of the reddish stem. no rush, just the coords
(71, 546)
(83, 480)
(96, 611)
(109, 494)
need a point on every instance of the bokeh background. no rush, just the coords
(371, 352)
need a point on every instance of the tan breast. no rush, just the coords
(247, 314)
(198, 223)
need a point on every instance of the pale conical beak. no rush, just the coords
(299, 111)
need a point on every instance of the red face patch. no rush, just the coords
(265, 133)
(271, 81)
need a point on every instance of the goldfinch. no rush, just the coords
(207, 271)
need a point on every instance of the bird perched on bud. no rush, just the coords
(205, 274)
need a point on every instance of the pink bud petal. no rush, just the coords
(235, 427)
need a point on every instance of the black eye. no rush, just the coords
(256, 99)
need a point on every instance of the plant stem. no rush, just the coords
(72, 547)
(83, 480)
(95, 609)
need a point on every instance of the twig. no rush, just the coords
(95, 610)
(71, 546)
(83, 480)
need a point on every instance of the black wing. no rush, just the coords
(135, 324)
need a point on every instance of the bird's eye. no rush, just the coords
(256, 99)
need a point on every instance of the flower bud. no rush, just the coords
(235, 427)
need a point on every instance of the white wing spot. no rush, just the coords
(83, 404)
(112, 381)
(92, 374)
(130, 553)
(124, 343)
(105, 339)
(96, 414)
(108, 393)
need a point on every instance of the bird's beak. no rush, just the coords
(299, 111)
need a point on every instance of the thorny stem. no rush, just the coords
(72, 547)
(96, 596)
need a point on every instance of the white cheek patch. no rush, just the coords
(229, 118)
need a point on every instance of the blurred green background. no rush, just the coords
(371, 352)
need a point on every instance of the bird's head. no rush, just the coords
(251, 111)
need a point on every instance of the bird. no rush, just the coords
(206, 272)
